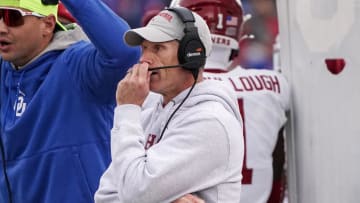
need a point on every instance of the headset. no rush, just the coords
(191, 52)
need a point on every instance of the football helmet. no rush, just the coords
(223, 17)
(64, 15)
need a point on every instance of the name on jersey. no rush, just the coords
(220, 40)
(255, 83)
(252, 83)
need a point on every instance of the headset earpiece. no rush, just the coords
(191, 50)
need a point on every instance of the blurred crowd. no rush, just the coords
(133, 10)
(263, 25)
(257, 52)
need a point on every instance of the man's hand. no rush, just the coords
(134, 88)
(189, 198)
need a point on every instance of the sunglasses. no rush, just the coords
(13, 17)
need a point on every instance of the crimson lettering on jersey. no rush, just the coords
(220, 40)
(213, 78)
(150, 141)
(256, 83)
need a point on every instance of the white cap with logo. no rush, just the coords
(167, 26)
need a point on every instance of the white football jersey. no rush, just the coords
(263, 98)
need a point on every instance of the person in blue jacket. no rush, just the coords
(57, 98)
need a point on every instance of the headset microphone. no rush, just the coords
(175, 66)
(164, 67)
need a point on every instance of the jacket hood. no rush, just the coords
(64, 39)
(211, 90)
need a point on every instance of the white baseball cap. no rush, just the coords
(167, 26)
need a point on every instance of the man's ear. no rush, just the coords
(49, 24)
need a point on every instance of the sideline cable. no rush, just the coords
(195, 75)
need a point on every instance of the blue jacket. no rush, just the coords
(56, 142)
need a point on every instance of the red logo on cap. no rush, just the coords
(167, 16)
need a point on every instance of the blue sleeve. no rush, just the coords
(103, 63)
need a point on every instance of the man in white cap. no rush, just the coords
(191, 141)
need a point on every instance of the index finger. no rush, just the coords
(143, 69)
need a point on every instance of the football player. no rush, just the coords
(263, 98)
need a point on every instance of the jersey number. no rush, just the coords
(246, 172)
